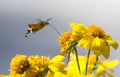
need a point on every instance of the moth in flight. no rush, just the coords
(38, 25)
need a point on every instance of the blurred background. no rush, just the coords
(15, 15)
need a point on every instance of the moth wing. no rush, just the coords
(37, 21)
(36, 27)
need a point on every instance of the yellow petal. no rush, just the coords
(56, 66)
(79, 28)
(100, 69)
(52, 68)
(110, 74)
(50, 74)
(59, 74)
(115, 45)
(97, 52)
(110, 64)
(106, 51)
(100, 45)
(81, 42)
(111, 42)
(86, 42)
(97, 43)
(57, 58)
(3, 76)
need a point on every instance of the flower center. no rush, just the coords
(64, 38)
(19, 63)
(96, 31)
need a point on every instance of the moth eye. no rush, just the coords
(28, 31)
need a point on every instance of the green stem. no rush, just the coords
(68, 57)
(76, 54)
(87, 61)
(95, 67)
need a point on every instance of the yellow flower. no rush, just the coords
(32, 71)
(31, 67)
(67, 41)
(14, 74)
(72, 69)
(96, 31)
(3, 76)
(39, 60)
(74, 74)
(45, 61)
(56, 63)
(64, 41)
(56, 67)
(56, 74)
(72, 65)
(103, 66)
(38, 64)
(19, 63)
(79, 29)
(64, 38)
(94, 38)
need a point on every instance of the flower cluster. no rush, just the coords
(92, 38)
(41, 66)
(21, 66)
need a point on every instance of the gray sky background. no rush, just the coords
(15, 15)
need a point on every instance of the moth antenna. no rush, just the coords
(55, 29)
(49, 19)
